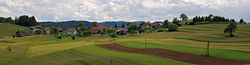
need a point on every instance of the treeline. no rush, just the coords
(212, 19)
(23, 20)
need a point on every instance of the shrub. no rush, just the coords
(172, 27)
(230, 29)
(73, 37)
(113, 35)
(160, 30)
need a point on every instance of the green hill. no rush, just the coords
(45, 49)
(7, 29)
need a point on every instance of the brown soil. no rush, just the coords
(184, 57)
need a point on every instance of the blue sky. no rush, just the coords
(127, 10)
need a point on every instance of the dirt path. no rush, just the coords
(184, 57)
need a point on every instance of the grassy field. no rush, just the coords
(221, 53)
(8, 29)
(47, 50)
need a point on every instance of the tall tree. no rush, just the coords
(165, 24)
(32, 21)
(113, 35)
(242, 21)
(230, 29)
(9, 20)
(210, 18)
(123, 26)
(175, 21)
(195, 20)
(132, 29)
(26, 21)
(184, 17)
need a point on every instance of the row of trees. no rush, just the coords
(23, 20)
(212, 19)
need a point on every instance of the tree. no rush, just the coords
(172, 27)
(195, 21)
(111, 31)
(123, 26)
(104, 31)
(232, 20)
(210, 18)
(175, 21)
(94, 24)
(113, 35)
(132, 29)
(9, 20)
(83, 31)
(32, 21)
(26, 21)
(116, 26)
(9, 49)
(242, 21)
(230, 29)
(59, 36)
(166, 23)
(73, 37)
(184, 17)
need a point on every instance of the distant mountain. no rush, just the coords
(65, 24)
(119, 23)
(137, 22)
(113, 23)
(71, 24)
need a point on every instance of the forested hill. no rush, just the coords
(71, 24)
(65, 24)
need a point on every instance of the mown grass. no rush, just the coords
(8, 29)
(221, 53)
(47, 50)
(72, 57)
(141, 59)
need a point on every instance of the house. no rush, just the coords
(97, 29)
(146, 25)
(71, 31)
(182, 23)
(122, 31)
(47, 30)
(157, 24)
(22, 33)
(59, 29)
(35, 28)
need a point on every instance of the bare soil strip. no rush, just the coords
(184, 57)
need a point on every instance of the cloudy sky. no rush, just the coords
(127, 10)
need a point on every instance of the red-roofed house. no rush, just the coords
(97, 29)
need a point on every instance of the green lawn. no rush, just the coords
(137, 58)
(47, 50)
(221, 53)
(8, 29)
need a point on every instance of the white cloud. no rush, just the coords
(122, 9)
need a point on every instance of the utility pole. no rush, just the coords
(145, 39)
(111, 62)
(207, 50)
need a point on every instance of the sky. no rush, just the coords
(125, 10)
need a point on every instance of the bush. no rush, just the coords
(172, 27)
(58, 36)
(73, 37)
(113, 35)
(160, 30)
(230, 29)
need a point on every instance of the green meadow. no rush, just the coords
(48, 50)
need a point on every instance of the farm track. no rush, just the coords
(184, 57)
